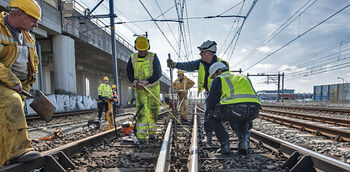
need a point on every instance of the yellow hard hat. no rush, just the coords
(180, 72)
(105, 78)
(113, 86)
(141, 43)
(30, 7)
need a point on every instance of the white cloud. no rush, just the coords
(264, 66)
(264, 49)
(244, 50)
(304, 81)
(287, 68)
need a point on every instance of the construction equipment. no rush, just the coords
(54, 135)
(127, 128)
(41, 104)
(133, 133)
(109, 113)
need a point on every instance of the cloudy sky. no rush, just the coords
(278, 36)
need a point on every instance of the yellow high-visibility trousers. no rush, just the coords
(146, 120)
(184, 105)
(14, 140)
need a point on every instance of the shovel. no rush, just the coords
(41, 105)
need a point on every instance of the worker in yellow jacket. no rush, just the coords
(18, 70)
(144, 68)
(181, 86)
(104, 92)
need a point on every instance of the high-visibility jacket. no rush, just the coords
(115, 96)
(201, 77)
(8, 56)
(236, 89)
(105, 90)
(184, 85)
(143, 67)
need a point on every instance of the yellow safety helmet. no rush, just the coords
(30, 7)
(113, 86)
(180, 72)
(142, 43)
(105, 78)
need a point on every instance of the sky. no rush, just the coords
(308, 51)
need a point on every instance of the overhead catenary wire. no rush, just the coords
(159, 28)
(290, 20)
(299, 36)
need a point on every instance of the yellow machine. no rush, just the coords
(109, 113)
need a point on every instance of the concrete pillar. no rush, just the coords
(64, 65)
(47, 80)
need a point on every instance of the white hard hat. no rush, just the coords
(216, 66)
(208, 46)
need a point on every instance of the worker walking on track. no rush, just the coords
(181, 85)
(144, 68)
(231, 98)
(115, 99)
(18, 71)
(208, 57)
(104, 92)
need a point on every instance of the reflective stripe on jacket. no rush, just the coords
(201, 77)
(236, 89)
(9, 54)
(143, 67)
(105, 90)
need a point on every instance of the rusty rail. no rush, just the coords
(164, 154)
(338, 121)
(339, 135)
(332, 110)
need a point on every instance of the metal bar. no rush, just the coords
(164, 159)
(311, 108)
(193, 163)
(321, 162)
(98, 4)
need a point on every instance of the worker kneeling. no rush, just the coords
(231, 98)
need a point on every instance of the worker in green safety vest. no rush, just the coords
(231, 98)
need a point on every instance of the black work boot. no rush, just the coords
(209, 138)
(28, 156)
(243, 147)
(224, 149)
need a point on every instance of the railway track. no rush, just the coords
(310, 108)
(176, 149)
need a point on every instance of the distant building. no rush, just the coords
(271, 95)
(335, 93)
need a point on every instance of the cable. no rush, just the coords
(298, 37)
(159, 27)
(277, 31)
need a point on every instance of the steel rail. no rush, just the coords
(163, 161)
(326, 109)
(340, 135)
(193, 162)
(57, 159)
(338, 121)
(320, 161)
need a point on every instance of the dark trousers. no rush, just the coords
(207, 126)
(239, 116)
(101, 106)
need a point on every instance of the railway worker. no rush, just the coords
(115, 98)
(104, 92)
(144, 68)
(208, 57)
(18, 71)
(181, 85)
(231, 98)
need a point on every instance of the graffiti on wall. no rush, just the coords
(66, 103)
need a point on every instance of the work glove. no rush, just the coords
(144, 83)
(135, 83)
(18, 88)
(171, 63)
